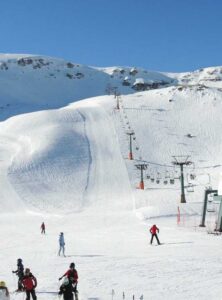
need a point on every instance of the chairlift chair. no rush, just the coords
(165, 182)
(190, 188)
(192, 176)
(167, 174)
(158, 176)
(172, 181)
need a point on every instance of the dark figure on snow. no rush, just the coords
(61, 244)
(20, 273)
(153, 230)
(29, 283)
(67, 290)
(42, 228)
(72, 275)
(4, 293)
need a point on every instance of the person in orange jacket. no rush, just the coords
(29, 283)
(153, 230)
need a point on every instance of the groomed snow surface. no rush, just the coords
(69, 167)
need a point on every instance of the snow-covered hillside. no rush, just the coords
(64, 159)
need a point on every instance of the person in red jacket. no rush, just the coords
(29, 283)
(153, 230)
(43, 228)
(72, 275)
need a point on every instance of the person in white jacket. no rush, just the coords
(4, 293)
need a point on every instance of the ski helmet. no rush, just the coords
(65, 281)
(27, 271)
(72, 265)
(2, 284)
(19, 260)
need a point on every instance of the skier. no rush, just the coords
(153, 230)
(72, 275)
(4, 293)
(67, 289)
(20, 273)
(61, 244)
(29, 283)
(43, 228)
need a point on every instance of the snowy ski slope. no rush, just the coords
(64, 161)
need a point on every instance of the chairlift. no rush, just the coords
(192, 176)
(176, 175)
(211, 206)
(190, 188)
(134, 138)
(157, 181)
(158, 175)
(152, 179)
(165, 182)
(148, 176)
(167, 174)
(137, 148)
(172, 181)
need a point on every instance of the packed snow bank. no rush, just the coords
(66, 159)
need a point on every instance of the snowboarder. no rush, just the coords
(43, 228)
(61, 244)
(67, 289)
(29, 283)
(20, 273)
(4, 293)
(72, 275)
(153, 230)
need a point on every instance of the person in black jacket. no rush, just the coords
(67, 289)
(20, 273)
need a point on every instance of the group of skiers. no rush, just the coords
(27, 283)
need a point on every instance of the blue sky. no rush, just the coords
(164, 35)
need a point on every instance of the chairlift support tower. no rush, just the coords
(142, 167)
(130, 133)
(182, 161)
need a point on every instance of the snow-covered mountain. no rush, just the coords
(55, 149)
(64, 158)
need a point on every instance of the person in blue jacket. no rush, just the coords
(61, 244)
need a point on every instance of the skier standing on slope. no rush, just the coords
(72, 275)
(153, 230)
(29, 283)
(67, 289)
(61, 244)
(43, 228)
(20, 273)
(4, 293)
